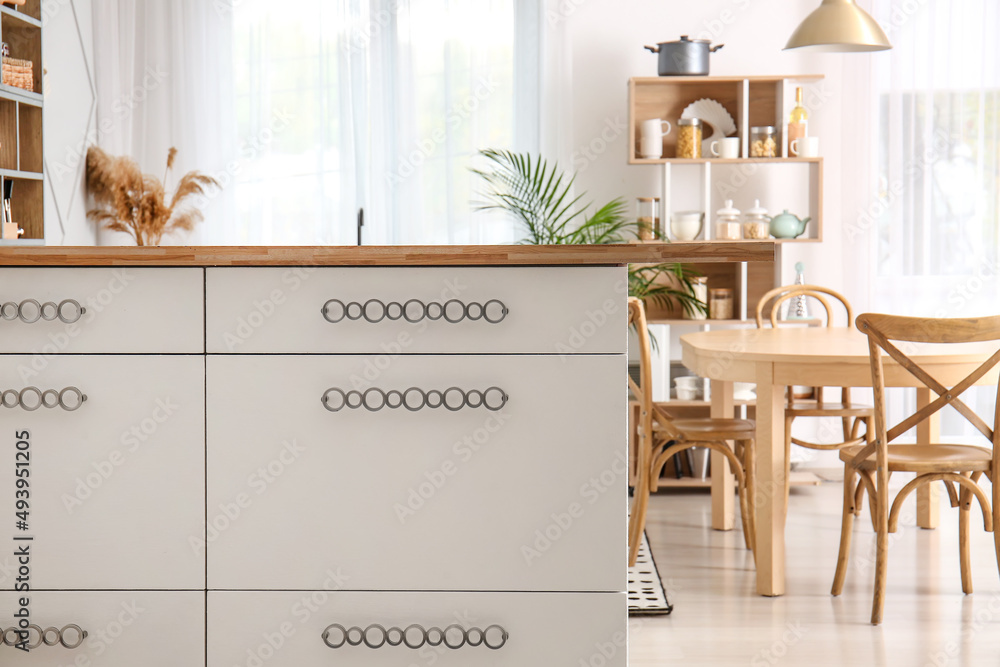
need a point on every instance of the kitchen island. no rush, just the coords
(297, 456)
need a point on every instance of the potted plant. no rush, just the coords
(540, 199)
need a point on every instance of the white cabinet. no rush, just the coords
(527, 497)
(116, 485)
(286, 628)
(223, 437)
(49, 311)
(549, 310)
(124, 629)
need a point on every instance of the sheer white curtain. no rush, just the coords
(312, 110)
(374, 104)
(164, 79)
(933, 214)
(938, 165)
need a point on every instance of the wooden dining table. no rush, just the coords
(775, 358)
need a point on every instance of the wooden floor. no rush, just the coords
(719, 620)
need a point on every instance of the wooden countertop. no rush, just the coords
(480, 255)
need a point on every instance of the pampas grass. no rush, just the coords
(135, 203)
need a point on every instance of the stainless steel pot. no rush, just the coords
(687, 57)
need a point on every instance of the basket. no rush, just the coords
(19, 73)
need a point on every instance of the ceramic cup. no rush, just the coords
(686, 225)
(651, 133)
(727, 148)
(806, 146)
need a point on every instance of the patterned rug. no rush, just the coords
(646, 596)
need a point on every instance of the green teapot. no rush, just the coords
(788, 226)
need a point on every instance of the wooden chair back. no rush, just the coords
(883, 330)
(643, 391)
(779, 295)
(824, 295)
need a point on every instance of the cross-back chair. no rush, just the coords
(812, 404)
(661, 437)
(958, 466)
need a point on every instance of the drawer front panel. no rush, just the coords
(124, 629)
(115, 486)
(541, 628)
(529, 497)
(125, 310)
(548, 310)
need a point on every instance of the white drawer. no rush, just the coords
(124, 629)
(117, 485)
(127, 310)
(532, 497)
(549, 310)
(541, 628)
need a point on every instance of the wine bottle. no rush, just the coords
(798, 123)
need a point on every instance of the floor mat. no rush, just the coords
(645, 589)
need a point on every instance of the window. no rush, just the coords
(344, 104)
(938, 174)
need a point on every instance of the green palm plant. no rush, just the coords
(541, 199)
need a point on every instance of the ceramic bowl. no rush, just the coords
(686, 225)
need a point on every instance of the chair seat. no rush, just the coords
(927, 458)
(715, 429)
(814, 409)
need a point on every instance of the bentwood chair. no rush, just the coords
(661, 437)
(812, 404)
(960, 467)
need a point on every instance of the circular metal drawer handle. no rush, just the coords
(413, 399)
(374, 311)
(30, 311)
(415, 636)
(49, 636)
(32, 398)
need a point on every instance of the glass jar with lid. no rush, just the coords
(699, 289)
(727, 223)
(756, 223)
(720, 304)
(764, 141)
(648, 218)
(689, 138)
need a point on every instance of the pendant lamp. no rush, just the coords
(839, 26)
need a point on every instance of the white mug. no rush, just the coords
(806, 146)
(651, 133)
(728, 148)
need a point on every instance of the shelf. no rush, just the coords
(26, 175)
(719, 160)
(20, 16)
(22, 242)
(796, 478)
(666, 80)
(20, 94)
(698, 323)
(705, 404)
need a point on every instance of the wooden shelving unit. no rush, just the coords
(21, 144)
(751, 101)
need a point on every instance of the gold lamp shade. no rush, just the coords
(839, 26)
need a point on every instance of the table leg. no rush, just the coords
(723, 482)
(769, 496)
(928, 495)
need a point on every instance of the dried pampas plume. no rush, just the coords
(135, 203)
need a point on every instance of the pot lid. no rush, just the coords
(685, 38)
(757, 209)
(728, 209)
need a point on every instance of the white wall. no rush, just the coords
(68, 118)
